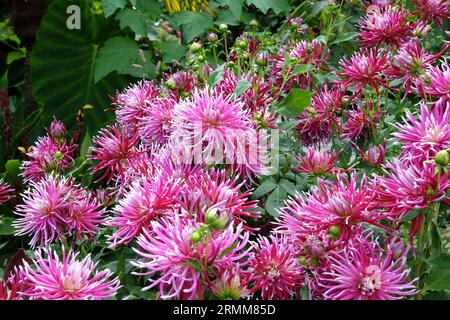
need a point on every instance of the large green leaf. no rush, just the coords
(277, 6)
(193, 23)
(63, 64)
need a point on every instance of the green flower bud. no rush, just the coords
(223, 27)
(195, 236)
(442, 158)
(58, 155)
(215, 220)
(334, 231)
(312, 112)
(262, 59)
(170, 84)
(201, 58)
(195, 47)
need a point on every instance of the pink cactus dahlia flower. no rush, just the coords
(439, 78)
(275, 270)
(69, 278)
(427, 135)
(47, 155)
(388, 25)
(111, 148)
(180, 258)
(433, 10)
(317, 162)
(364, 271)
(143, 202)
(365, 68)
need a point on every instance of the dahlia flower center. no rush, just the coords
(272, 273)
(371, 281)
(432, 134)
(73, 279)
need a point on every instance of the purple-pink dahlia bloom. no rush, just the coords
(47, 155)
(69, 278)
(385, 26)
(182, 259)
(365, 271)
(5, 191)
(433, 10)
(428, 134)
(275, 270)
(318, 162)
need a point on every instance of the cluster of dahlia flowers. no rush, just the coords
(174, 176)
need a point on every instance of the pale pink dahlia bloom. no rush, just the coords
(181, 265)
(55, 207)
(411, 184)
(46, 156)
(155, 124)
(410, 63)
(219, 131)
(427, 134)
(387, 25)
(275, 270)
(143, 202)
(5, 191)
(69, 278)
(133, 101)
(439, 78)
(365, 271)
(231, 284)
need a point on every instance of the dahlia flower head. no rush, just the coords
(5, 191)
(369, 67)
(231, 284)
(338, 207)
(144, 201)
(57, 129)
(70, 278)
(433, 10)
(318, 162)
(424, 136)
(375, 155)
(297, 53)
(387, 25)
(133, 101)
(410, 63)
(411, 183)
(13, 287)
(54, 208)
(182, 261)
(439, 81)
(364, 270)
(46, 156)
(361, 122)
(219, 131)
(111, 149)
(274, 268)
(215, 190)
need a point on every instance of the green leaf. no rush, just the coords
(436, 244)
(171, 50)
(288, 186)
(297, 101)
(234, 7)
(302, 68)
(277, 6)
(117, 54)
(133, 19)
(265, 187)
(13, 168)
(111, 6)
(241, 86)
(193, 23)
(63, 65)
(85, 145)
(216, 75)
(6, 227)
(344, 37)
(438, 280)
(411, 215)
(275, 201)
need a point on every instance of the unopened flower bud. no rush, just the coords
(312, 112)
(212, 37)
(170, 84)
(262, 59)
(215, 220)
(442, 158)
(195, 236)
(334, 231)
(195, 47)
(223, 27)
